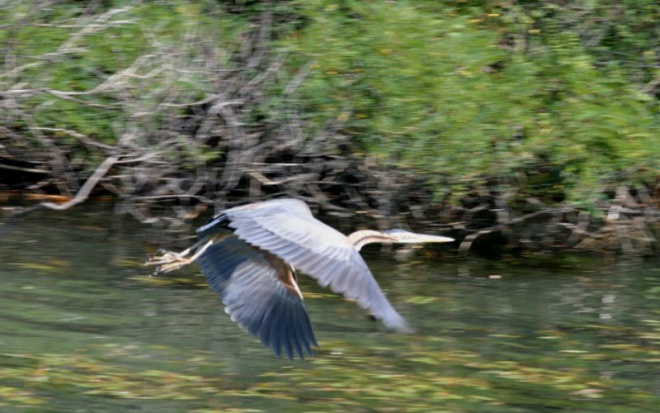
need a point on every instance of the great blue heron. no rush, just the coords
(249, 255)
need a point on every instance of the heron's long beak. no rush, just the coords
(413, 238)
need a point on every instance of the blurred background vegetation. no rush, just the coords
(465, 89)
(538, 102)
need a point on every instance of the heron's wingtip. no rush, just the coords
(396, 323)
(403, 329)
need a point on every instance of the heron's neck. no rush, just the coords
(367, 236)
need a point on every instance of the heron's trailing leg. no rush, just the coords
(170, 261)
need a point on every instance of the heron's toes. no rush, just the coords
(167, 261)
(171, 265)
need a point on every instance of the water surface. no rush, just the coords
(84, 329)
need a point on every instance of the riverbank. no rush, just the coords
(514, 129)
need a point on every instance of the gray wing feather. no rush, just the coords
(287, 229)
(254, 297)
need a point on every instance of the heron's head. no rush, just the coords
(400, 236)
(394, 236)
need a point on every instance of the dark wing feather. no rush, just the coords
(287, 229)
(253, 296)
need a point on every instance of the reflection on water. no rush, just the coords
(83, 329)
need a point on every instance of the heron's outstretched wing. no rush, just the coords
(260, 294)
(287, 229)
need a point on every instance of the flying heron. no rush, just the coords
(249, 255)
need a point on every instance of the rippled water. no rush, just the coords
(84, 329)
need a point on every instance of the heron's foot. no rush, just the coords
(168, 261)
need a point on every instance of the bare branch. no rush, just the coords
(86, 189)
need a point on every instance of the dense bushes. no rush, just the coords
(462, 92)
(349, 103)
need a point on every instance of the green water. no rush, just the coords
(83, 329)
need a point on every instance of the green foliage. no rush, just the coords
(467, 92)
(456, 91)
(115, 65)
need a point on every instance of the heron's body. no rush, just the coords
(249, 253)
